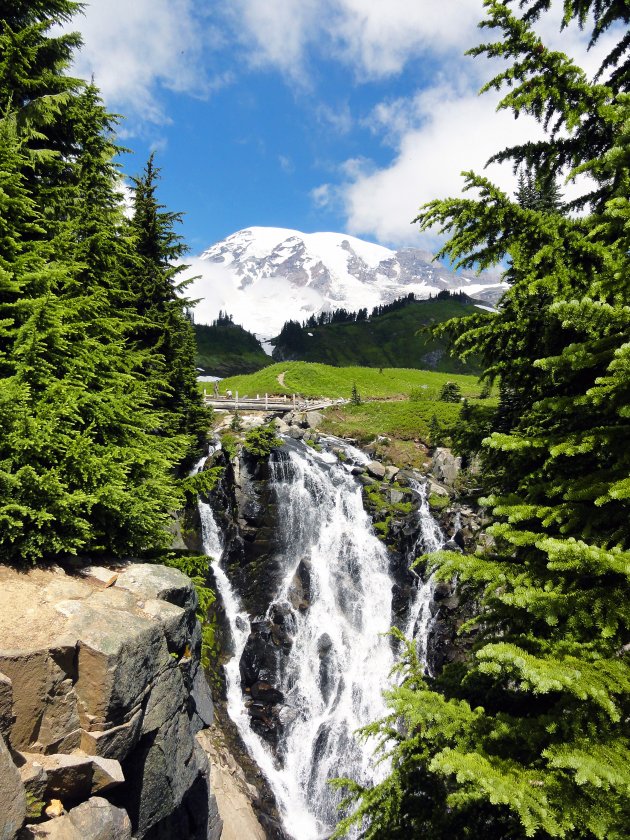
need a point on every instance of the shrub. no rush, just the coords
(451, 392)
(229, 444)
(261, 441)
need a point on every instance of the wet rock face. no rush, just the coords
(106, 695)
(299, 593)
(449, 611)
(245, 509)
(259, 671)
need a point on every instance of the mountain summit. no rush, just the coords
(265, 276)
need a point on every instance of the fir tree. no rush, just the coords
(82, 465)
(435, 432)
(450, 392)
(527, 738)
(538, 193)
(165, 332)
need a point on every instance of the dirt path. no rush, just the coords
(280, 377)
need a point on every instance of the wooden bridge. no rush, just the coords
(267, 402)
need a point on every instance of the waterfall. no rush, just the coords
(430, 538)
(335, 600)
(339, 663)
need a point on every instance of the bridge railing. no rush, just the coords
(263, 403)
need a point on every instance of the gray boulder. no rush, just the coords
(376, 469)
(68, 777)
(12, 795)
(96, 819)
(314, 419)
(44, 702)
(445, 466)
(147, 581)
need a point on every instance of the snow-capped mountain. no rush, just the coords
(265, 276)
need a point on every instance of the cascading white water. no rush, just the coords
(340, 660)
(430, 538)
(339, 663)
(240, 628)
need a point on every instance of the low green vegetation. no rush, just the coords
(401, 419)
(318, 380)
(195, 566)
(261, 441)
(226, 349)
(438, 502)
(377, 499)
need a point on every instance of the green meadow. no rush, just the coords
(315, 380)
(396, 402)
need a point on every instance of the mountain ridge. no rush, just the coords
(265, 276)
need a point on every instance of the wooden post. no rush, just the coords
(266, 401)
(236, 401)
(293, 400)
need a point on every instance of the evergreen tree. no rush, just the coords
(435, 432)
(538, 193)
(165, 332)
(35, 87)
(528, 737)
(450, 392)
(80, 466)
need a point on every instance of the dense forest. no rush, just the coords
(528, 737)
(99, 408)
(395, 334)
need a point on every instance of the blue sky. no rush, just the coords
(340, 115)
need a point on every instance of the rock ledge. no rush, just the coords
(101, 697)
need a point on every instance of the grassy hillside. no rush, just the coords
(403, 419)
(400, 404)
(227, 350)
(389, 340)
(317, 380)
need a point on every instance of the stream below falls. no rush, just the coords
(338, 663)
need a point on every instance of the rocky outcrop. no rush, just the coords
(102, 676)
(445, 466)
(12, 795)
(235, 796)
(96, 819)
(246, 510)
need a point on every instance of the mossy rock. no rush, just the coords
(438, 502)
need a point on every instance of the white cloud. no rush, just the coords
(442, 132)
(126, 197)
(376, 39)
(286, 164)
(339, 118)
(135, 49)
(444, 129)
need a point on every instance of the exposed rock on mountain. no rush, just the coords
(266, 276)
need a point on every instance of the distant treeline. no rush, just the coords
(292, 329)
(223, 320)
